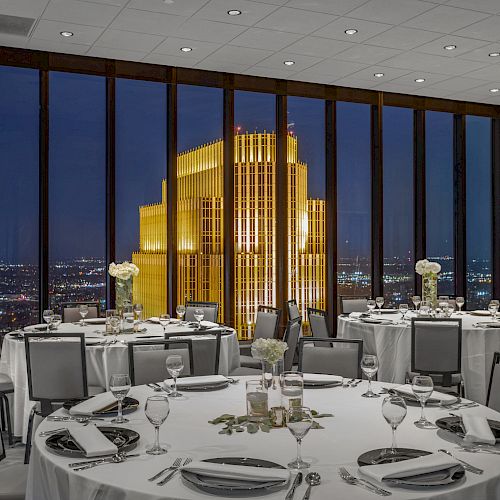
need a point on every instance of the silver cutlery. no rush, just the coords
(312, 479)
(177, 463)
(459, 406)
(476, 448)
(102, 459)
(115, 459)
(80, 420)
(355, 384)
(53, 431)
(362, 483)
(351, 382)
(155, 387)
(467, 465)
(296, 482)
(171, 474)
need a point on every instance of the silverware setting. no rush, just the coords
(159, 388)
(101, 459)
(115, 459)
(356, 383)
(458, 406)
(312, 479)
(171, 474)
(80, 419)
(478, 448)
(296, 482)
(53, 431)
(177, 463)
(467, 465)
(362, 483)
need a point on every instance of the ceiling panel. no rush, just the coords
(295, 20)
(367, 54)
(50, 30)
(337, 7)
(252, 12)
(141, 21)
(366, 29)
(318, 47)
(183, 8)
(391, 11)
(172, 46)
(129, 40)
(403, 38)
(238, 55)
(207, 31)
(259, 38)
(488, 29)
(463, 45)
(91, 14)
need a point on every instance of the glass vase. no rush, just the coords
(123, 295)
(429, 289)
(271, 380)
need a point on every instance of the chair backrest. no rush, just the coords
(436, 346)
(293, 310)
(147, 359)
(267, 323)
(353, 304)
(71, 311)
(211, 310)
(331, 356)
(493, 400)
(206, 353)
(318, 323)
(57, 370)
(291, 337)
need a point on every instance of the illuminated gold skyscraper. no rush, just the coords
(200, 231)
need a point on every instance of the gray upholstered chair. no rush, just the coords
(6, 387)
(291, 337)
(147, 359)
(293, 310)
(331, 356)
(353, 304)
(436, 350)
(71, 311)
(318, 323)
(211, 310)
(13, 478)
(493, 400)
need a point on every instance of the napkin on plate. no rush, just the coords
(433, 463)
(242, 472)
(193, 381)
(356, 315)
(209, 324)
(96, 321)
(477, 429)
(436, 397)
(92, 441)
(92, 405)
(318, 378)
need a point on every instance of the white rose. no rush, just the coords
(434, 267)
(420, 267)
(112, 269)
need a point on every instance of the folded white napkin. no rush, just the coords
(423, 465)
(477, 429)
(91, 405)
(192, 381)
(257, 474)
(96, 321)
(92, 441)
(209, 324)
(355, 315)
(318, 378)
(436, 397)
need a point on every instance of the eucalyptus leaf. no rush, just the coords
(252, 428)
(264, 427)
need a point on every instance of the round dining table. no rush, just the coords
(356, 426)
(105, 355)
(390, 341)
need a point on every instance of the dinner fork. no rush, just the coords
(172, 473)
(363, 483)
(177, 463)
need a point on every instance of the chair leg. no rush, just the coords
(27, 451)
(2, 414)
(6, 408)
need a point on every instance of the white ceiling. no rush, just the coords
(403, 39)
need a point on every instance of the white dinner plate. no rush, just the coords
(480, 312)
(40, 327)
(96, 321)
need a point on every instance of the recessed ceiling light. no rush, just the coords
(234, 12)
(378, 75)
(494, 91)
(66, 33)
(449, 47)
(351, 31)
(186, 49)
(494, 54)
(419, 80)
(288, 63)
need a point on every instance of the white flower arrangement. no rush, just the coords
(123, 271)
(424, 267)
(270, 350)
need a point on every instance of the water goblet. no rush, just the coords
(460, 301)
(299, 421)
(164, 320)
(55, 321)
(199, 314)
(119, 385)
(416, 301)
(175, 365)
(422, 387)
(47, 316)
(370, 304)
(138, 308)
(369, 365)
(157, 410)
(114, 323)
(425, 308)
(380, 302)
(394, 412)
(83, 309)
(181, 311)
(493, 308)
(403, 309)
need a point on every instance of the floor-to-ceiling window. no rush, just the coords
(353, 199)
(479, 212)
(398, 209)
(19, 108)
(77, 188)
(141, 204)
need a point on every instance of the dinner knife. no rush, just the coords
(296, 482)
(101, 459)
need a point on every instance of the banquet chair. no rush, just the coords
(318, 323)
(206, 354)
(147, 359)
(436, 351)
(292, 309)
(349, 304)
(493, 399)
(211, 310)
(334, 357)
(71, 311)
(13, 477)
(6, 387)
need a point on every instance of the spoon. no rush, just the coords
(312, 479)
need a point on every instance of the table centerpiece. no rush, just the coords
(429, 272)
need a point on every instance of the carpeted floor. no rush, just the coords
(15, 454)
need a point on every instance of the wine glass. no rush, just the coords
(403, 309)
(83, 310)
(493, 308)
(164, 320)
(380, 302)
(138, 308)
(416, 301)
(175, 365)
(47, 316)
(422, 387)
(157, 410)
(180, 310)
(119, 385)
(370, 304)
(199, 314)
(460, 301)
(425, 308)
(394, 412)
(299, 421)
(369, 365)
(55, 321)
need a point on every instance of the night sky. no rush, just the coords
(78, 158)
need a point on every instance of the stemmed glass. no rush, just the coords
(394, 412)
(299, 421)
(422, 387)
(425, 308)
(55, 321)
(369, 365)
(403, 309)
(119, 385)
(175, 365)
(180, 310)
(460, 301)
(84, 310)
(157, 410)
(138, 308)
(370, 304)
(164, 320)
(199, 314)
(416, 301)
(380, 302)
(493, 308)
(47, 317)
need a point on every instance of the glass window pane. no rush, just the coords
(77, 183)
(353, 199)
(439, 197)
(141, 204)
(254, 206)
(306, 203)
(19, 105)
(479, 216)
(200, 181)
(399, 282)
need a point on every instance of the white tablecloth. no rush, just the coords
(392, 345)
(102, 362)
(358, 426)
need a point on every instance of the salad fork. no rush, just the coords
(363, 483)
(172, 472)
(177, 463)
